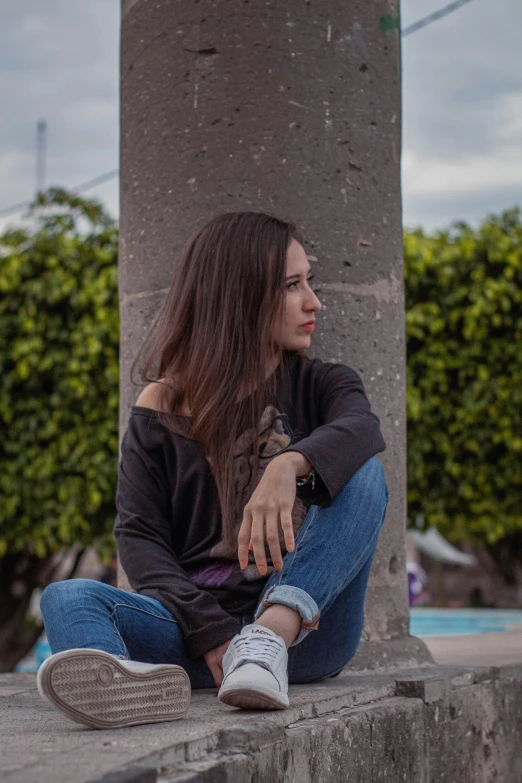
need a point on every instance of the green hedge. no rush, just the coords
(59, 378)
(464, 376)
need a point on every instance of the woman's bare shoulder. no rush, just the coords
(149, 396)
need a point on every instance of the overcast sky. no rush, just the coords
(462, 104)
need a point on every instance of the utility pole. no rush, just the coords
(41, 153)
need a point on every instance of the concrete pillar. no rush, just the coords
(293, 108)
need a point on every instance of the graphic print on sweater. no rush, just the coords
(275, 436)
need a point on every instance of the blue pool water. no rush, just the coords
(32, 662)
(445, 622)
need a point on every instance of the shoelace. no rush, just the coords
(258, 649)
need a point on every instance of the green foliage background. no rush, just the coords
(59, 377)
(464, 378)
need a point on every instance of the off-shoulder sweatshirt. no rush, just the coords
(168, 521)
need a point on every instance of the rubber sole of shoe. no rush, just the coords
(93, 688)
(253, 699)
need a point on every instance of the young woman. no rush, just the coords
(249, 500)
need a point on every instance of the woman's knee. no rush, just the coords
(66, 593)
(369, 480)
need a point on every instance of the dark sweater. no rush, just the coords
(168, 523)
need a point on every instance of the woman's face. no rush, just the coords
(301, 304)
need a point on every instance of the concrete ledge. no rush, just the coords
(445, 723)
(405, 653)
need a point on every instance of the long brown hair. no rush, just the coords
(212, 345)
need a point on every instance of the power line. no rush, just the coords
(412, 28)
(15, 208)
(90, 183)
(426, 20)
(41, 154)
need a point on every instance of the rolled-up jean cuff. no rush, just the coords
(296, 599)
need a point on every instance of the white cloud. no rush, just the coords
(59, 61)
(423, 177)
(462, 112)
(12, 162)
(462, 104)
(424, 173)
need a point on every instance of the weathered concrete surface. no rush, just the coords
(477, 649)
(293, 109)
(436, 725)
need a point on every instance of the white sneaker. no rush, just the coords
(104, 692)
(255, 670)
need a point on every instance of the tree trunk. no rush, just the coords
(21, 574)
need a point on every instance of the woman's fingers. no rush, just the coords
(257, 538)
(260, 527)
(243, 539)
(272, 538)
(217, 673)
(214, 662)
(288, 528)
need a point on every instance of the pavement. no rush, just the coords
(484, 649)
(40, 745)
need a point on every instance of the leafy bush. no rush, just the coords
(59, 378)
(464, 377)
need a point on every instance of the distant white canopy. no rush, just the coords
(434, 545)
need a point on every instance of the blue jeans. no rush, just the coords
(324, 579)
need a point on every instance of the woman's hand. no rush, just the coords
(271, 503)
(214, 661)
